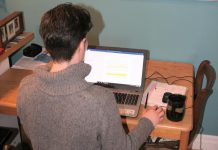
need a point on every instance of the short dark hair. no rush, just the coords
(62, 29)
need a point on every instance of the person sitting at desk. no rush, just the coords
(58, 108)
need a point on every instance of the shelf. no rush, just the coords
(28, 36)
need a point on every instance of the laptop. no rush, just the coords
(122, 70)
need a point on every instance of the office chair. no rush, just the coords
(25, 143)
(206, 73)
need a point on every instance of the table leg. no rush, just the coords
(184, 138)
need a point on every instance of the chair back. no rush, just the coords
(203, 85)
(25, 143)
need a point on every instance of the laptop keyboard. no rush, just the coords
(124, 98)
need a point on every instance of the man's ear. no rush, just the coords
(82, 48)
(83, 44)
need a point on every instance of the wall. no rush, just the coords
(173, 30)
(2, 9)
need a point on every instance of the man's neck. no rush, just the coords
(77, 58)
(59, 66)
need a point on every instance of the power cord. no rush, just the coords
(166, 78)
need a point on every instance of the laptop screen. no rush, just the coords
(116, 65)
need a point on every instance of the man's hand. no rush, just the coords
(154, 113)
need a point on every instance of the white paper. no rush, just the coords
(156, 91)
(27, 63)
(30, 63)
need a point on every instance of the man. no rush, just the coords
(59, 109)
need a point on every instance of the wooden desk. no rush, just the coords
(10, 81)
(173, 130)
(168, 129)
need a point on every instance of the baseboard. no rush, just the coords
(205, 142)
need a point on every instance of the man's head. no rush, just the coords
(63, 28)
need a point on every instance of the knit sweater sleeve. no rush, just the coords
(113, 135)
(21, 102)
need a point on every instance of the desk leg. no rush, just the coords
(184, 138)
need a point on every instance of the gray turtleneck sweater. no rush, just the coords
(62, 111)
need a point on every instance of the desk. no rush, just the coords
(10, 81)
(173, 130)
(168, 129)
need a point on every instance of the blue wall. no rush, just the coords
(173, 30)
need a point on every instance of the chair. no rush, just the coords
(25, 143)
(201, 94)
(7, 135)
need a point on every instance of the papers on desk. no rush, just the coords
(30, 63)
(155, 91)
